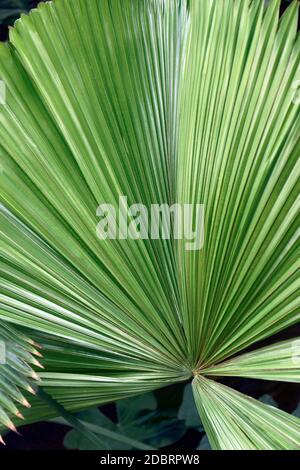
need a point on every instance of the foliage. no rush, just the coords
(136, 417)
(162, 101)
(17, 359)
(188, 411)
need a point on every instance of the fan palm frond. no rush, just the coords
(236, 422)
(280, 361)
(18, 356)
(161, 101)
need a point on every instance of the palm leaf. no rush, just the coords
(162, 101)
(236, 422)
(280, 361)
(16, 373)
(239, 149)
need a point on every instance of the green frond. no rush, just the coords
(239, 153)
(280, 361)
(18, 360)
(161, 101)
(234, 421)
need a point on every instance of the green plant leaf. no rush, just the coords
(136, 417)
(280, 361)
(235, 421)
(18, 359)
(110, 314)
(74, 440)
(128, 410)
(238, 155)
(162, 101)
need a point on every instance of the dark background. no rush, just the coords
(51, 436)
